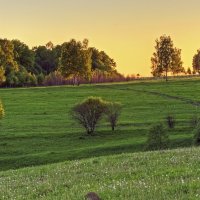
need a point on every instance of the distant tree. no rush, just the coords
(12, 79)
(24, 56)
(196, 62)
(113, 110)
(21, 76)
(40, 78)
(45, 60)
(157, 69)
(75, 60)
(189, 71)
(166, 58)
(54, 78)
(101, 61)
(89, 112)
(157, 138)
(50, 45)
(31, 80)
(22, 66)
(177, 64)
(57, 50)
(7, 60)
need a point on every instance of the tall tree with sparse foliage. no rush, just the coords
(113, 110)
(166, 58)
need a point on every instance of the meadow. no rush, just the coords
(164, 175)
(38, 128)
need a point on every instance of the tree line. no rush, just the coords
(74, 60)
(167, 59)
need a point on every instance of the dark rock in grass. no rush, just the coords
(92, 196)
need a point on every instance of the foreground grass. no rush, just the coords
(38, 128)
(152, 175)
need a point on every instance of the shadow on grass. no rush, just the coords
(54, 157)
(36, 151)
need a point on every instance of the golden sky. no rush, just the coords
(125, 29)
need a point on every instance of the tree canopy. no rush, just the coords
(22, 66)
(75, 59)
(166, 58)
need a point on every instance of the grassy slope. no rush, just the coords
(38, 129)
(158, 175)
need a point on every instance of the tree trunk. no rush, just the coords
(166, 78)
(113, 128)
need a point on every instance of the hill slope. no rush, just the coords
(38, 128)
(143, 176)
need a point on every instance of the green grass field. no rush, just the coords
(140, 176)
(38, 129)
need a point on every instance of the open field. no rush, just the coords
(143, 176)
(38, 128)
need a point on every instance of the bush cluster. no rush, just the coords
(90, 112)
(158, 138)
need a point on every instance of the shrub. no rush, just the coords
(40, 78)
(89, 112)
(157, 138)
(2, 113)
(112, 112)
(196, 132)
(170, 119)
(195, 120)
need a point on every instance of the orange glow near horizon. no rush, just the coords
(125, 30)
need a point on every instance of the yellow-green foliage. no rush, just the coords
(2, 113)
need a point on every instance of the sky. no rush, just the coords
(125, 29)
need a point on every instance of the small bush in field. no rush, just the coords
(2, 113)
(170, 119)
(112, 112)
(195, 120)
(157, 138)
(196, 132)
(89, 112)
